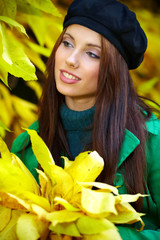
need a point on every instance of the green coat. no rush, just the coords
(152, 218)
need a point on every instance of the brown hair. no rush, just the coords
(50, 126)
(117, 107)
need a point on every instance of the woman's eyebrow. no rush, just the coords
(88, 44)
(69, 35)
(93, 45)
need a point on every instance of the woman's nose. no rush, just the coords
(73, 60)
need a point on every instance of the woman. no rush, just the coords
(89, 103)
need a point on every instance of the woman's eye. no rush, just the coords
(93, 55)
(66, 43)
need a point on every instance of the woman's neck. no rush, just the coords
(79, 104)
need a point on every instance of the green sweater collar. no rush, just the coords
(76, 120)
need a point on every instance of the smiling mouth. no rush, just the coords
(70, 76)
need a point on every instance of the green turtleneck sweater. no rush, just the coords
(78, 127)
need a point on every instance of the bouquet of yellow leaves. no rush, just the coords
(63, 205)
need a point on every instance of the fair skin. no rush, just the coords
(77, 62)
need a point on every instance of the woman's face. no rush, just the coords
(77, 62)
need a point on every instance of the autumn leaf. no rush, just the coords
(64, 204)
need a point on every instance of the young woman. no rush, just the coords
(89, 103)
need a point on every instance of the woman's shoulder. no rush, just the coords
(153, 142)
(153, 125)
(23, 140)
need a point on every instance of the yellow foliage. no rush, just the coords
(63, 205)
(15, 112)
(5, 215)
(19, 51)
(147, 76)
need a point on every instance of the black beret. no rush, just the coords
(114, 21)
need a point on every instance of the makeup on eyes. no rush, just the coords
(92, 50)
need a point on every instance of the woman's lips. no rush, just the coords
(68, 77)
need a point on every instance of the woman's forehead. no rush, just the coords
(79, 32)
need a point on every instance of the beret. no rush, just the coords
(115, 22)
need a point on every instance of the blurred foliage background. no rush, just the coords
(28, 31)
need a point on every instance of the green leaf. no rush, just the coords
(14, 58)
(8, 8)
(46, 6)
(13, 23)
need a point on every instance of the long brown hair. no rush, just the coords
(117, 107)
